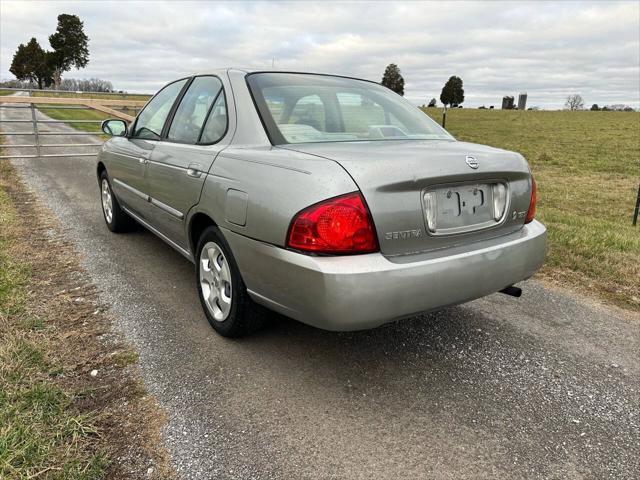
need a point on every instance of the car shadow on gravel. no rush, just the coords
(423, 334)
(438, 350)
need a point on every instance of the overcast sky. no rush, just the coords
(546, 49)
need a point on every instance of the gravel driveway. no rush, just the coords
(545, 386)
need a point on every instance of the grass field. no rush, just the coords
(587, 166)
(77, 114)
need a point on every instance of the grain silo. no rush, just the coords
(522, 101)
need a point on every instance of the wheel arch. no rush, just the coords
(100, 167)
(198, 222)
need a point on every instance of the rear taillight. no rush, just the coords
(340, 225)
(531, 213)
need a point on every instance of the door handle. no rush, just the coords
(194, 170)
(143, 161)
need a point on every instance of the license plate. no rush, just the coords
(463, 208)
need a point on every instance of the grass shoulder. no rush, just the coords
(66, 397)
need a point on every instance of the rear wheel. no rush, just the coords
(223, 295)
(116, 219)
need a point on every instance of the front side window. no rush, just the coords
(304, 108)
(195, 105)
(151, 120)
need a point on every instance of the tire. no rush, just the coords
(116, 219)
(223, 294)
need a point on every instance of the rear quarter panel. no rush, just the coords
(275, 183)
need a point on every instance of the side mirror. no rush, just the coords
(114, 127)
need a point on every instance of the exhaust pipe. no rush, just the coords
(513, 291)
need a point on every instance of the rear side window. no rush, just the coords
(192, 112)
(216, 125)
(151, 120)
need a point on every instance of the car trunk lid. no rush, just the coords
(408, 183)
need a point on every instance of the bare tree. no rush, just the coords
(574, 102)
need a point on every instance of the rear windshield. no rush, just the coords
(305, 108)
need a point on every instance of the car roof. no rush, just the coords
(248, 71)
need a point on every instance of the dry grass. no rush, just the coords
(56, 420)
(587, 165)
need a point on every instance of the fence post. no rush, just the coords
(34, 120)
(444, 116)
(635, 213)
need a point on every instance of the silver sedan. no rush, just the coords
(328, 199)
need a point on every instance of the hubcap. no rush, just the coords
(107, 202)
(215, 281)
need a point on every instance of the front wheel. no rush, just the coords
(116, 219)
(223, 295)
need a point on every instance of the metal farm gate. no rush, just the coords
(28, 103)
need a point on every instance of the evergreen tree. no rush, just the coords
(392, 79)
(70, 46)
(30, 63)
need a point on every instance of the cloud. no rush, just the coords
(548, 49)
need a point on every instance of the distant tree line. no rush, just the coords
(17, 84)
(67, 84)
(611, 108)
(575, 102)
(86, 85)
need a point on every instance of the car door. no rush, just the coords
(179, 163)
(129, 155)
(127, 167)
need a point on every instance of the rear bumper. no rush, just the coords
(364, 291)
